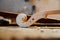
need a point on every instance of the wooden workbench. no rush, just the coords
(7, 33)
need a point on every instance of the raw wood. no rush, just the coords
(33, 32)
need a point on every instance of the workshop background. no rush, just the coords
(47, 27)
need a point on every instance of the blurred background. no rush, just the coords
(9, 9)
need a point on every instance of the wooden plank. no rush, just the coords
(9, 12)
(37, 32)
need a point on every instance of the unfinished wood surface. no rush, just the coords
(53, 15)
(37, 32)
(9, 12)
